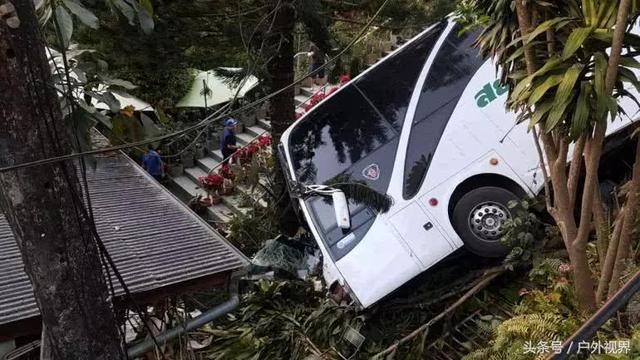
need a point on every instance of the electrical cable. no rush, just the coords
(195, 140)
(206, 121)
(87, 211)
(241, 84)
(84, 176)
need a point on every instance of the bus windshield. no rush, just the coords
(354, 134)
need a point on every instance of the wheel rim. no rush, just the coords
(486, 220)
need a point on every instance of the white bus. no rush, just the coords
(427, 125)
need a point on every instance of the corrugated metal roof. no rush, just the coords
(153, 238)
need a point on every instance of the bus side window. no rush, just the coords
(388, 86)
(455, 64)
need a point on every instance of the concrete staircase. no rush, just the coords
(186, 185)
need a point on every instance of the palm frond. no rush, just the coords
(232, 76)
(361, 193)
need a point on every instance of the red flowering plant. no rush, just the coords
(226, 172)
(245, 154)
(314, 100)
(212, 183)
(332, 90)
(239, 156)
(264, 140)
(252, 149)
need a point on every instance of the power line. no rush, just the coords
(85, 211)
(206, 121)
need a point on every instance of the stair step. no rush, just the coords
(244, 138)
(307, 91)
(217, 155)
(265, 124)
(187, 185)
(300, 99)
(220, 212)
(194, 173)
(257, 194)
(209, 162)
(233, 203)
(255, 130)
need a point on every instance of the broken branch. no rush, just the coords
(481, 284)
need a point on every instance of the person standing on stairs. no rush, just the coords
(228, 141)
(152, 162)
(317, 61)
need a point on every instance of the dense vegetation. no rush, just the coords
(563, 81)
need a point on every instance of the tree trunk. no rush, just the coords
(556, 149)
(59, 254)
(280, 69)
(281, 75)
(628, 227)
(603, 232)
(576, 170)
(608, 263)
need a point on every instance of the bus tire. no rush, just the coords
(478, 217)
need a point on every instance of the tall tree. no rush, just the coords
(43, 203)
(187, 35)
(280, 74)
(565, 63)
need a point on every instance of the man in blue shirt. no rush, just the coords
(228, 141)
(153, 163)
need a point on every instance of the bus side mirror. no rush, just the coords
(341, 208)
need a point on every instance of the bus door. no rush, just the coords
(420, 233)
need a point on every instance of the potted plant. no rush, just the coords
(228, 185)
(307, 82)
(264, 140)
(175, 168)
(201, 150)
(199, 205)
(188, 158)
(212, 184)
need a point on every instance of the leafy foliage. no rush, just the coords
(185, 36)
(57, 15)
(567, 91)
(282, 320)
(249, 231)
(547, 311)
(512, 336)
(545, 271)
(525, 234)
(360, 192)
(634, 347)
(80, 80)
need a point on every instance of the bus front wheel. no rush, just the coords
(479, 218)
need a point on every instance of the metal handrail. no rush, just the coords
(323, 89)
(591, 326)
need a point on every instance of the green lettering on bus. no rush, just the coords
(490, 92)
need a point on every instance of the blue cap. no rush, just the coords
(230, 122)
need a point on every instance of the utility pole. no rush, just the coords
(43, 203)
